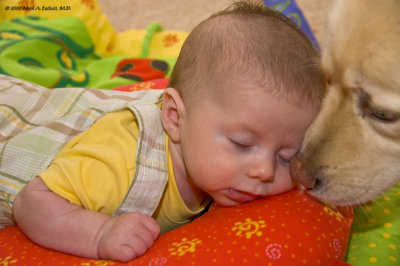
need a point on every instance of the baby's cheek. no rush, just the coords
(284, 182)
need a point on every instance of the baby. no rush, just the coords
(246, 86)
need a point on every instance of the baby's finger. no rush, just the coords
(146, 237)
(139, 245)
(125, 253)
(152, 226)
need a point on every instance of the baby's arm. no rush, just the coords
(55, 223)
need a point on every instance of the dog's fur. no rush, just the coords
(351, 153)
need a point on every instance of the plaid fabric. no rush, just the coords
(36, 122)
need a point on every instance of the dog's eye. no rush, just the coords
(379, 114)
(383, 115)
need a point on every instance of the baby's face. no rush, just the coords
(238, 148)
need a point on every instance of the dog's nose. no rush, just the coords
(298, 173)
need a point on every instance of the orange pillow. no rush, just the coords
(286, 229)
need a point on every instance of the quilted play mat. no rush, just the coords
(79, 47)
(76, 46)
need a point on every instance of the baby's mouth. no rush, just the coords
(241, 196)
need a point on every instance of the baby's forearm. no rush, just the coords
(55, 223)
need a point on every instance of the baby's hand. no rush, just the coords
(127, 236)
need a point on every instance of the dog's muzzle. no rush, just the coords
(299, 174)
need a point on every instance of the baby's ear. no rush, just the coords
(172, 112)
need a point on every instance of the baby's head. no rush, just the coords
(245, 88)
(247, 44)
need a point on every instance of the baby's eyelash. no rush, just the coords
(239, 145)
(283, 161)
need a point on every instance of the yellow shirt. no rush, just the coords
(96, 169)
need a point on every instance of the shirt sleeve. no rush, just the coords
(95, 169)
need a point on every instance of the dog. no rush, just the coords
(351, 152)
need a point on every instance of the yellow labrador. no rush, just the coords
(351, 153)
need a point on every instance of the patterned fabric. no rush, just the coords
(35, 123)
(375, 234)
(59, 53)
(285, 229)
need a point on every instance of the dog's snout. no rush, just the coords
(299, 174)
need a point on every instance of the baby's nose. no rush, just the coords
(264, 172)
(265, 175)
(298, 173)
